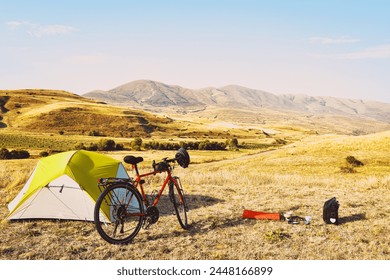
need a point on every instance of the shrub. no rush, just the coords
(43, 154)
(203, 145)
(347, 169)
(4, 154)
(353, 161)
(80, 146)
(119, 147)
(92, 147)
(136, 144)
(213, 145)
(14, 154)
(106, 145)
(232, 143)
(102, 145)
(94, 133)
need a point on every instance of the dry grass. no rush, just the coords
(298, 177)
(218, 192)
(45, 111)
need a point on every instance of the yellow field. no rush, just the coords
(296, 168)
(219, 185)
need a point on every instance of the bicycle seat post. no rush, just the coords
(136, 169)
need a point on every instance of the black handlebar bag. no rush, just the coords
(331, 211)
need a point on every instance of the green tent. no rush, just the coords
(64, 186)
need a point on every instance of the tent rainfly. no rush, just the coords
(64, 186)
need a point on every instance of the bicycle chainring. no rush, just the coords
(152, 214)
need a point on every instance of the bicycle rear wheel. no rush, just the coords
(119, 214)
(179, 202)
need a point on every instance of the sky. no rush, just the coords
(319, 48)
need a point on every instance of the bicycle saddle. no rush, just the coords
(133, 160)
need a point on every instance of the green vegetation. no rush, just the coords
(14, 154)
(102, 145)
(35, 141)
(198, 145)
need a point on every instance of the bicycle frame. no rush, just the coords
(138, 182)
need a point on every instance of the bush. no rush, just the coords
(136, 144)
(102, 145)
(347, 169)
(43, 154)
(106, 145)
(119, 147)
(232, 143)
(353, 161)
(203, 145)
(94, 133)
(92, 147)
(4, 154)
(14, 154)
(213, 145)
(80, 146)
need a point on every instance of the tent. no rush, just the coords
(64, 186)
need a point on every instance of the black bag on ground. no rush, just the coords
(331, 211)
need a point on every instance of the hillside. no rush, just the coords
(51, 111)
(154, 96)
(57, 112)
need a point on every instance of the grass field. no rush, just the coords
(296, 178)
(262, 175)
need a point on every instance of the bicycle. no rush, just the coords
(122, 210)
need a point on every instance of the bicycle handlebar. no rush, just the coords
(162, 165)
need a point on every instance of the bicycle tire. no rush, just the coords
(111, 211)
(179, 202)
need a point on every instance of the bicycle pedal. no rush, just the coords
(146, 225)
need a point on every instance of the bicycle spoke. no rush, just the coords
(124, 206)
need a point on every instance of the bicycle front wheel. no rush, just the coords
(178, 200)
(119, 214)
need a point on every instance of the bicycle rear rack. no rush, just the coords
(105, 182)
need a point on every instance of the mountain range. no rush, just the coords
(156, 96)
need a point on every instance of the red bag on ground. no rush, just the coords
(248, 214)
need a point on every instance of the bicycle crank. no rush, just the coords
(152, 215)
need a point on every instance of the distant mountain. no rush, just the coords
(154, 95)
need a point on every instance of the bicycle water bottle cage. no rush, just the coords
(133, 160)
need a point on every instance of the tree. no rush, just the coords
(4, 153)
(106, 145)
(136, 143)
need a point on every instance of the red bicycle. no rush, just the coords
(121, 209)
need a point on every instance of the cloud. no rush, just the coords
(382, 51)
(16, 24)
(86, 59)
(333, 40)
(51, 30)
(376, 52)
(38, 30)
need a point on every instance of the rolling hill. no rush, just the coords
(54, 112)
(155, 96)
(51, 111)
